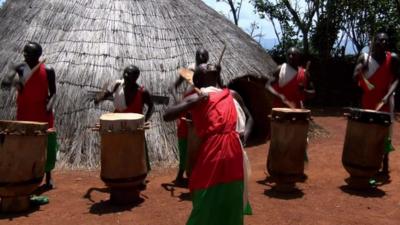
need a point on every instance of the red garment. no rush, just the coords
(32, 100)
(136, 105)
(382, 80)
(182, 129)
(293, 90)
(220, 158)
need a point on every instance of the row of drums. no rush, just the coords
(367, 134)
(123, 154)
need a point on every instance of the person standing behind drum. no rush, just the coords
(182, 129)
(129, 97)
(36, 86)
(219, 167)
(378, 75)
(290, 83)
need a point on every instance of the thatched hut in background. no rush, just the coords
(89, 42)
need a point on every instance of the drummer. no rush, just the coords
(378, 74)
(219, 167)
(182, 129)
(129, 97)
(290, 83)
(36, 94)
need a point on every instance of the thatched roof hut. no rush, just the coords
(89, 42)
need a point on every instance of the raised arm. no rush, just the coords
(106, 94)
(178, 82)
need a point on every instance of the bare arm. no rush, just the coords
(249, 118)
(270, 82)
(360, 66)
(178, 82)
(395, 68)
(51, 80)
(106, 94)
(150, 105)
(174, 111)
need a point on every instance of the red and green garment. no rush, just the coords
(217, 180)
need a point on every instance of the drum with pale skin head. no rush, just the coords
(366, 134)
(289, 128)
(23, 147)
(123, 157)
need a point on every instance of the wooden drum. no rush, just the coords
(22, 160)
(123, 156)
(289, 128)
(366, 133)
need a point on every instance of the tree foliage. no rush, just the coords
(317, 25)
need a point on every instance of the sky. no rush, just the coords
(247, 16)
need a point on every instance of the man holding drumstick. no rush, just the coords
(290, 82)
(378, 75)
(182, 129)
(36, 86)
(129, 97)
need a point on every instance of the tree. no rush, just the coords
(364, 18)
(328, 23)
(290, 14)
(235, 8)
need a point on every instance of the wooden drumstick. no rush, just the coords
(379, 106)
(222, 54)
(290, 104)
(188, 76)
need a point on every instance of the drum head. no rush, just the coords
(286, 114)
(288, 110)
(26, 127)
(370, 116)
(121, 122)
(121, 116)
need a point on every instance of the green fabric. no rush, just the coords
(221, 204)
(52, 148)
(39, 199)
(182, 147)
(388, 145)
(248, 210)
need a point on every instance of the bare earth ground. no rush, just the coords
(322, 200)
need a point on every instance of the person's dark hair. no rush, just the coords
(201, 56)
(33, 49)
(131, 70)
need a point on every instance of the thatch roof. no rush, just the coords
(89, 42)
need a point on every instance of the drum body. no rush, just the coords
(123, 157)
(193, 146)
(289, 128)
(23, 147)
(366, 133)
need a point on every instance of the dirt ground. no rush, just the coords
(323, 199)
